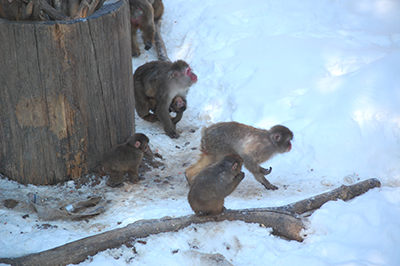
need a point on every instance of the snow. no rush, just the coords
(328, 70)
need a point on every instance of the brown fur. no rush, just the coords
(145, 14)
(125, 158)
(157, 85)
(213, 183)
(254, 145)
(178, 106)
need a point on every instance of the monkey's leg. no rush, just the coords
(162, 112)
(133, 176)
(134, 44)
(116, 178)
(161, 50)
(148, 28)
(143, 105)
(257, 172)
(194, 169)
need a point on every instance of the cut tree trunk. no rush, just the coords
(283, 224)
(66, 94)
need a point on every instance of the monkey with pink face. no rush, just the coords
(161, 87)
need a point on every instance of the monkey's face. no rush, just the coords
(281, 138)
(178, 105)
(144, 147)
(189, 73)
(185, 77)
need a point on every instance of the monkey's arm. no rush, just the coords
(265, 171)
(257, 171)
(162, 112)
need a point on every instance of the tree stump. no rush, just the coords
(66, 94)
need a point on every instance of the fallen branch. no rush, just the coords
(344, 193)
(283, 224)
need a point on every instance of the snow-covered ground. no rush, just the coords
(327, 69)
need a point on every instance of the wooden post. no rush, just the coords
(66, 94)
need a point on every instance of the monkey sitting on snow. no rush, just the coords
(125, 157)
(213, 183)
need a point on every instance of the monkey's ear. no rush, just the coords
(175, 74)
(234, 166)
(137, 144)
(276, 137)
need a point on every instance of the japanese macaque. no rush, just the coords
(177, 106)
(145, 15)
(213, 183)
(125, 158)
(159, 85)
(254, 145)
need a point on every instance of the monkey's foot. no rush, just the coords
(270, 186)
(150, 118)
(265, 171)
(148, 45)
(173, 135)
(112, 184)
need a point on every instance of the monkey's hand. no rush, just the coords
(270, 186)
(173, 135)
(265, 171)
(240, 176)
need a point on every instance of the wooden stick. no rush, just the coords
(51, 11)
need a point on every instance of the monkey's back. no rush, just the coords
(147, 76)
(209, 188)
(122, 157)
(232, 137)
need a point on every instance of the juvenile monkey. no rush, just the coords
(145, 15)
(254, 145)
(157, 84)
(213, 183)
(125, 157)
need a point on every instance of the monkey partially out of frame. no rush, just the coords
(213, 183)
(253, 145)
(125, 158)
(156, 86)
(145, 15)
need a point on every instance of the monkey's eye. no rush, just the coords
(187, 71)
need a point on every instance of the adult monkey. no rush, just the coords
(177, 106)
(254, 145)
(146, 16)
(156, 84)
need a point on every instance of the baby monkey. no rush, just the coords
(213, 183)
(125, 158)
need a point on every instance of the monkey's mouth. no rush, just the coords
(193, 77)
(289, 147)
